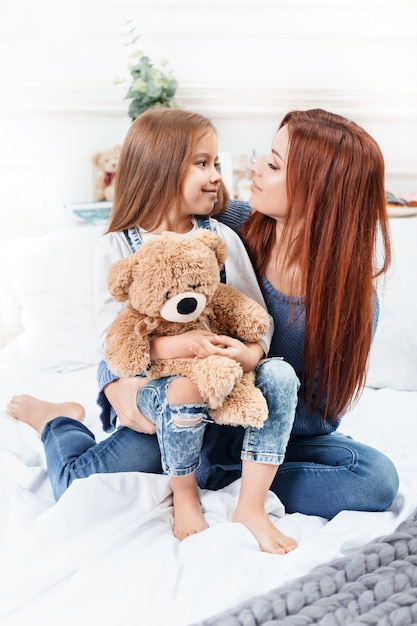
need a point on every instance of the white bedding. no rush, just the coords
(105, 551)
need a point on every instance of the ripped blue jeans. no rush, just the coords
(180, 428)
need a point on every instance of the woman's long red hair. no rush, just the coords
(336, 220)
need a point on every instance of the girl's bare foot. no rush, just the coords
(37, 413)
(188, 517)
(270, 539)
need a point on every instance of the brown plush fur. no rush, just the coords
(172, 266)
(107, 163)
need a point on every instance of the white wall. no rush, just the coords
(242, 63)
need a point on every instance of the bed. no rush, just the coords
(105, 551)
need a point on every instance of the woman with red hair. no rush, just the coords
(317, 215)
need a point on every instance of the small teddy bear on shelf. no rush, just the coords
(107, 163)
(170, 285)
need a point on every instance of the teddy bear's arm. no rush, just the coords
(126, 353)
(238, 315)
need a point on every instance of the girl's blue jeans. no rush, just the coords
(320, 475)
(180, 428)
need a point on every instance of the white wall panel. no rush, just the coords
(243, 63)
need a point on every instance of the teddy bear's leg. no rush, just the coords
(245, 406)
(216, 377)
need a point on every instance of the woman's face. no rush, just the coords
(269, 194)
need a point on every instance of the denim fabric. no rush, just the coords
(321, 475)
(327, 474)
(72, 452)
(225, 446)
(279, 385)
(181, 445)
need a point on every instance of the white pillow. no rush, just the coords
(52, 278)
(393, 361)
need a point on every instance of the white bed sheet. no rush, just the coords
(105, 551)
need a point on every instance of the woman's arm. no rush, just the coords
(236, 213)
(121, 394)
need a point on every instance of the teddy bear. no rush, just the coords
(107, 163)
(171, 285)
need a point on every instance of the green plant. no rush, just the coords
(150, 86)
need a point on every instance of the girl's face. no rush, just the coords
(202, 179)
(269, 194)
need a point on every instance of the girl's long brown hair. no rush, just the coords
(155, 155)
(336, 223)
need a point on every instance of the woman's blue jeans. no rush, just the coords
(320, 475)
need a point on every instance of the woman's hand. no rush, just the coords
(247, 354)
(122, 394)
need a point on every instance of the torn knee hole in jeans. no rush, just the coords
(186, 421)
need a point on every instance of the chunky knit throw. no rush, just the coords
(376, 585)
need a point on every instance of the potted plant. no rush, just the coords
(150, 86)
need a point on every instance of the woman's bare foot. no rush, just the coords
(37, 413)
(188, 517)
(270, 539)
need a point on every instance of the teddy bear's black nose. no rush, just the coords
(186, 306)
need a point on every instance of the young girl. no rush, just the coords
(168, 177)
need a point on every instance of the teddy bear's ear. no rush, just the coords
(213, 241)
(120, 278)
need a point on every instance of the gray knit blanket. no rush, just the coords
(375, 585)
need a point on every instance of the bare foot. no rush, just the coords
(270, 539)
(188, 517)
(37, 413)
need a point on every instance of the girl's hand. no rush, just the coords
(247, 354)
(178, 346)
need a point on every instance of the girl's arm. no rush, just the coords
(201, 344)
(247, 354)
(177, 346)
